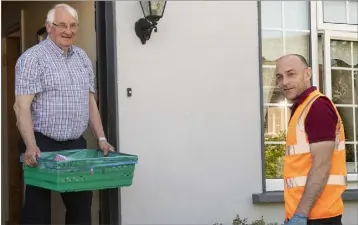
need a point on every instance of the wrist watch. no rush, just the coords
(102, 139)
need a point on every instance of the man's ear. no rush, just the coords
(48, 28)
(308, 73)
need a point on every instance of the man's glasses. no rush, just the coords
(63, 26)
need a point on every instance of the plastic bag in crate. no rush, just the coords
(59, 158)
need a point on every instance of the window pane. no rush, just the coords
(298, 43)
(353, 12)
(320, 50)
(271, 93)
(350, 158)
(296, 15)
(274, 159)
(334, 11)
(341, 53)
(355, 54)
(342, 86)
(355, 75)
(346, 114)
(356, 122)
(272, 46)
(269, 78)
(271, 14)
(275, 122)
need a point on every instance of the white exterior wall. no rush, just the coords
(194, 117)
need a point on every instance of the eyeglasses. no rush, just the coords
(63, 26)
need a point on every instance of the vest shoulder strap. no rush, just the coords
(303, 108)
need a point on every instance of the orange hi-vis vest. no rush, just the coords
(298, 161)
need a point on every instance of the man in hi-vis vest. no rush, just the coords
(315, 162)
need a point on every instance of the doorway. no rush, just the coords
(105, 207)
(11, 50)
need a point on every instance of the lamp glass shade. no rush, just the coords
(153, 9)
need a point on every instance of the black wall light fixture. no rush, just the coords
(153, 11)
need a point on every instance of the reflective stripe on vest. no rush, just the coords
(301, 181)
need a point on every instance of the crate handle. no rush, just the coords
(22, 158)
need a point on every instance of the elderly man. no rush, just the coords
(54, 102)
(315, 163)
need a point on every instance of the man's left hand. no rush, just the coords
(105, 147)
(297, 219)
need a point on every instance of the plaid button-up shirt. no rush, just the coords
(61, 84)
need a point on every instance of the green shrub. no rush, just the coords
(273, 156)
(244, 221)
(349, 153)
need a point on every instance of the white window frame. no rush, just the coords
(344, 36)
(340, 31)
(277, 184)
(321, 25)
(328, 36)
(285, 103)
(283, 29)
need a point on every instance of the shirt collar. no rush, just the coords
(57, 49)
(303, 96)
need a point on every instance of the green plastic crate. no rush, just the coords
(85, 169)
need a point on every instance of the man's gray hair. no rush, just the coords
(51, 14)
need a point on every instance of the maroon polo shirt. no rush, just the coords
(321, 120)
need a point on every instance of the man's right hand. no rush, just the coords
(30, 155)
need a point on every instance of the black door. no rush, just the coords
(107, 98)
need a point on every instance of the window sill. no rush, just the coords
(277, 196)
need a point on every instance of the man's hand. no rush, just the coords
(105, 147)
(96, 125)
(30, 155)
(297, 219)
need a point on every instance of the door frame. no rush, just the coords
(106, 70)
(12, 209)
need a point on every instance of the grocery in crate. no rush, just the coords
(80, 170)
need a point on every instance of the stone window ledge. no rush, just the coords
(277, 196)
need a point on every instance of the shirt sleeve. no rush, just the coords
(28, 75)
(89, 68)
(321, 121)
